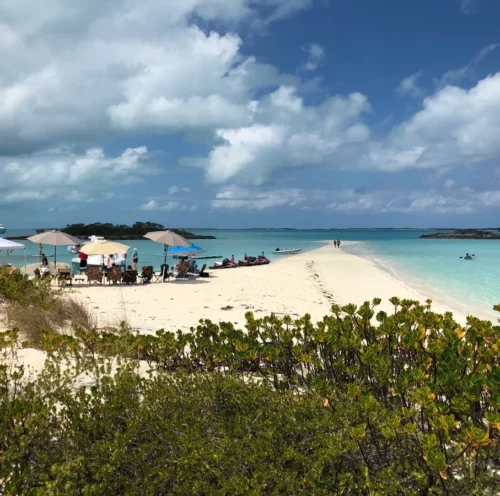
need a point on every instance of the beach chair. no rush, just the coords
(147, 274)
(163, 275)
(63, 275)
(94, 275)
(114, 275)
(129, 277)
(203, 273)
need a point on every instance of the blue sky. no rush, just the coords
(250, 113)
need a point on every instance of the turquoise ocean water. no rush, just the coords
(432, 266)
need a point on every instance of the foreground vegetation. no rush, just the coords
(360, 403)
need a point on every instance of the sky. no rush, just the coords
(250, 113)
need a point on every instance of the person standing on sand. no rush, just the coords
(83, 261)
(45, 262)
(338, 243)
(135, 258)
(335, 243)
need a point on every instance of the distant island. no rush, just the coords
(123, 231)
(463, 234)
(119, 231)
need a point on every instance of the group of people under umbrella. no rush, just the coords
(169, 239)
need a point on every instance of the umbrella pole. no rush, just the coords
(55, 256)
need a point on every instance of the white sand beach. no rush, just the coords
(305, 283)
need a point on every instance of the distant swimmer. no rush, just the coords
(469, 257)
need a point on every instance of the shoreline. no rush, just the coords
(455, 303)
(309, 282)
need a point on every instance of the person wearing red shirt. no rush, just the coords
(83, 261)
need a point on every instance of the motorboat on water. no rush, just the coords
(287, 251)
(92, 239)
(3, 229)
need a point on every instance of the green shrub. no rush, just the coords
(360, 403)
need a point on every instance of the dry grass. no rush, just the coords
(59, 316)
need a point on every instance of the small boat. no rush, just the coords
(287, 252)
(2, 229)
(92, 239)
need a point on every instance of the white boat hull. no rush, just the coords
(288, 252)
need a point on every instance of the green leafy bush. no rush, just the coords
(360, 403)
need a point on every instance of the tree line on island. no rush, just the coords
(363, 402)
(123, 231)
(463, 234)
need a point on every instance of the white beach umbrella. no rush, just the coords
(55, 238)
(7, 244)
(167, 238)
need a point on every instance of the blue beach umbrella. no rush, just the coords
(185, 249)
(181, 251)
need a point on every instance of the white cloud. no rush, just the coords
(153, 205)
(456, 201)
(455, 76)
(455, 127)
(173, 190)
(409, 85)
(87, 70)
(288, 134)
(68, 175)
(315, 54)
(234, 197)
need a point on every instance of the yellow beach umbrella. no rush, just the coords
(103, 247)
